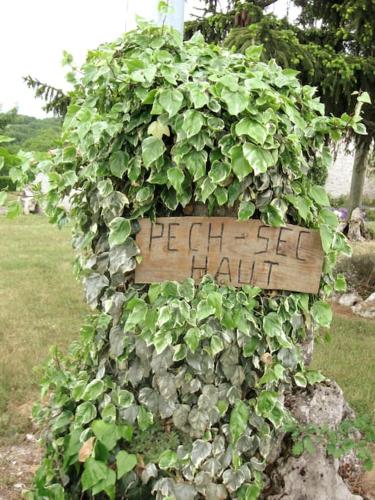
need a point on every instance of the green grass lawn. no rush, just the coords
(41, 304)
(349, 358)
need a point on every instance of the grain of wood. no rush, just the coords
(233, 252)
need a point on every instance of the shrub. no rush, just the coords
(175, 389)
(359, 272)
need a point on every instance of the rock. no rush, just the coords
(323, 404)
(335, 297)
(350, 299)
(356, 226)
(312, 477)
(366, 309)
(19, 486)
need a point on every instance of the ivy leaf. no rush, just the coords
(137, 315)
(266, 402)
(359, 128)
(217, 345)
(300, 379)
(208, 187)
(238, 420)
(195, 162)
(246, 210)
(327, 216)
(125, 463)
(240, 166)
(152, 149)
(126, 432)
(229, 81)
(86, 449)
(157, 129)
(171, 100)
(118, 163)
(314, 377)
(107, 485)
(214, 299)
(253, 129)
(193, 122)
(340, 283)
(219, 172)
(204, 310)
(221, 195)
(322, 313)
(93, 390)
(192, 339)
(364, 97)
(236, 101)
(105, 188)
(272, 325)
(273, 216)
(145, 418)
(180, 352)
(94, 472)
(250, 347)
(167, 460)
(198, 95)
(85, 413)
(300, 204)
(186, 289)
(176, 178)
(260, 159)
(319, 195)
(106, 433)
(120, 229)
(326, 235)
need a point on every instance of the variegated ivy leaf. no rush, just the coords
(157, 129)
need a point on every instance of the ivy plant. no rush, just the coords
(176, 390)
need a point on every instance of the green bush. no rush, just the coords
(6, 183)
(359, 272)
(155, 127)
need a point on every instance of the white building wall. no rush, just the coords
(340, 176)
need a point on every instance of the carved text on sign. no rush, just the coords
(233, 252)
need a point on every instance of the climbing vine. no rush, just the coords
(175, 390)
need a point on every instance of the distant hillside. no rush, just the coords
(31, 134)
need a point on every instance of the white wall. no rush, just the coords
(340, 175)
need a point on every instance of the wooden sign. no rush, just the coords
(233, 252)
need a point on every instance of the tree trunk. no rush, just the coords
(359, 173)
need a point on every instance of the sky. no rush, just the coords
(34, 34)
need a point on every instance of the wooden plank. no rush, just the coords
(233, 252)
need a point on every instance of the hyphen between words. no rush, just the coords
(233, 252)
